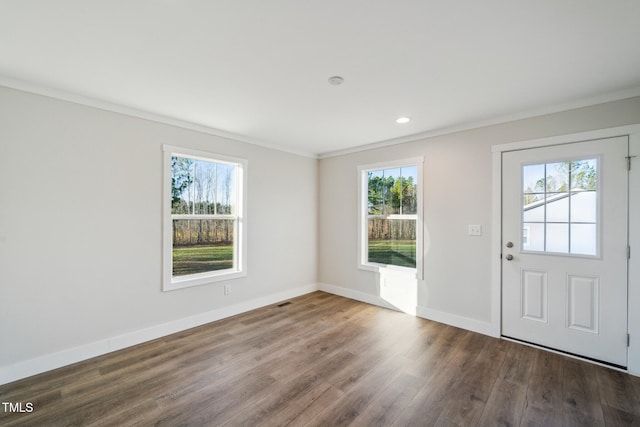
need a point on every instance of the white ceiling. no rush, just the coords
(257, 70)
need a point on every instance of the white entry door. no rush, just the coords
(564, 253)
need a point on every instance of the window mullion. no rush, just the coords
(189, 216)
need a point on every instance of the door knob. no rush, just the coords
(509, 257)
(509, 244)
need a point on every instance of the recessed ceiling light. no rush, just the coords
(336, 80)
(403, 120)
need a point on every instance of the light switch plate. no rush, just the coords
(475, 230)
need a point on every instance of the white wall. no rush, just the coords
(80, 231)
(457, 192)
(80, 226)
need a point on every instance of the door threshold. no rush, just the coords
(568, 354)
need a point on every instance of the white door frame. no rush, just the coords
(633, 131)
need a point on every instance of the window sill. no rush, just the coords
(382, 267)
(201, 279)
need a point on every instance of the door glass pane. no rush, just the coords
(560, 206)
(584, 174)
(583, 239)
(557, 178)
(532, 210)
(583, 206)
(558, 238)
(533, 183)
(533, 237)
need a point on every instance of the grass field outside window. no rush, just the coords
(393, 252)
(202, 258)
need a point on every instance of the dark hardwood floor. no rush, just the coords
(323, 360)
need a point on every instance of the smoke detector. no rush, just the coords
(336, 80)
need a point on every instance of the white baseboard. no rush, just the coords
(473, 325)
(27, 368)
(462, 322)
(356, 295)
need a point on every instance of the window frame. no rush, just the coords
(239, 269)
(363, 211)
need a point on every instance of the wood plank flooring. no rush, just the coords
(324, 360)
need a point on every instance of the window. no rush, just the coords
(391, 216)
(559, 207)
(204, 239)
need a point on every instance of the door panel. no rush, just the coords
(564, 265)
(534, 295)
(582, 303)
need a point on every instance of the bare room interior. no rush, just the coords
(319, 213)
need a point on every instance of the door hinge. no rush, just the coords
(628, 252)
(628, 340)
(629, 161)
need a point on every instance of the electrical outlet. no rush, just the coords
(227, 289)
(475, 230)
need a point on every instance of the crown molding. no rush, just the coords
(557, 108)
(141, 114)
(159, 118)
